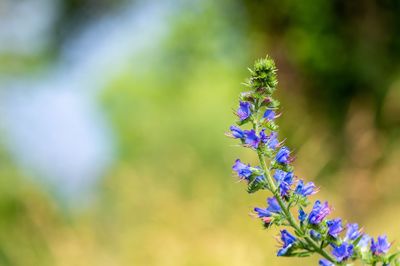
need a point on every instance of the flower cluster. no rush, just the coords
(312, 229)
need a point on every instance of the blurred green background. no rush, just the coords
(113, 116)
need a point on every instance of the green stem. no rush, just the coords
(287, 213)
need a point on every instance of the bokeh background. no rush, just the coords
(113, 113)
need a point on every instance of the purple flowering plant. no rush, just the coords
(308, 230)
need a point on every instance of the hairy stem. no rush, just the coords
(288, 214)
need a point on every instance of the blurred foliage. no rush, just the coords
(342, 49)
(169, 199)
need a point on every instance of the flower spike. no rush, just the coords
(310, 231)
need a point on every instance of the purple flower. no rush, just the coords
(325, 262)
(269, 115)
(285, 181)
(342, 252)
(237, 132)
(288, 178)
(283, 176)
(319, 212)
(334, 227)
(248, 136)
(353, 232)
(243, 171)
(381, 245)
(282, 156)
(273, 141)
(279, 175)
(251, 138)
(302, 215)
(273, 207)
(288, 240)
(262, 212)
(285, 185)
(263, 136)
(364, 241)
(305, 189)
(244, 111)
(284, 188)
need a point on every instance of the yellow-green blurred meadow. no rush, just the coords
(113, 116)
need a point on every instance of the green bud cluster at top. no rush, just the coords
(308, 230)
(264, 76)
